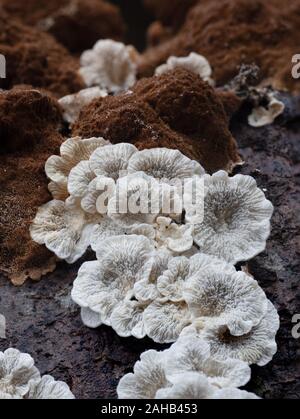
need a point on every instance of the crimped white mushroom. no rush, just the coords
(47, 388)
(112, 160)
(235, 300)
(262, 116)
(72, 152)
(73, 104)
(191, 354)
(64, 228)
(79, 179)
(193, 62)
(176, 238)
(236, 220)
(127, 319)
(164, 164)
(148, 377)
(256, 347)
(110, 65)
(170, 284)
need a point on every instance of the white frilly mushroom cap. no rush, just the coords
(2, 326)
(20, 379)
(103, 285)
(64, 228)
(235, 300)
(256, 347)
(73, 104)
(16, 371)
(110, 65)
(47, 388)
(148, 377)
(193, 386)
(236, 220)
(164, 164)
(193, 62)
(191, 354)
(72, 151)
(176, 238)
(170, 284)
(112, 160)
(262, 116)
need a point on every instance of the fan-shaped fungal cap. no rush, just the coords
(98, 191)
(193, 62)
(148, 377)
(72, 152)
(127, 319)
(137, 200)
(191, 386)
(111, 160)
(16, 371)
(256, 347)
(64, 228)
(235, 300)
(102, 285)
(90, 318)
(79, 179)
(109, 65)
(170, 284)
(48, 388)
(164, 320)
(191, 354)
(164, 164)
(262, 116)
(2, 326)
(72, 104)
(176, 238)
(236, 220)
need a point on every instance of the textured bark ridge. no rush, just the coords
(93, 361)
(176, 110)
(77, 24)
(229, 33)
(29, 123)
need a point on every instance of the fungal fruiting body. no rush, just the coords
(20, 379)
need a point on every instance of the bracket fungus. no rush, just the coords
(237, 216)
(73, 104)
(20, 379)
(266, 115)
(110, 65)
(193, 62)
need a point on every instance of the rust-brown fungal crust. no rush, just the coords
(35, 58)
(29, 122)
(229, 33)
(77, 24)
(176, 110)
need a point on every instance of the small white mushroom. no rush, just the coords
(148, 377)
(90, 318)
(176, 238)
(64, 228)
(256, 347)
(73, 104)
(47, 388)
(170, 284)
(164, 164)
(164, 320)
(235, 300)
(236, 220)
(79, 179)
(72, 152)
(103, 284)
(16, 371)
(110, 65)
(262, 116)
(191, 354)
(112, 160)
(193, 62)
(127, 319)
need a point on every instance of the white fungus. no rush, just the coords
(266, 115)
(236, 220)
(110, 65)
(193, 62)
(20, 379)
(73, 104)
(170, 284)
(176, 238)
(164, 164)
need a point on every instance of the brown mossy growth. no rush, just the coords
(170, 13)
(234, 32)
(35, 58)
(176, 110)
(77, 24)
(29, 123)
